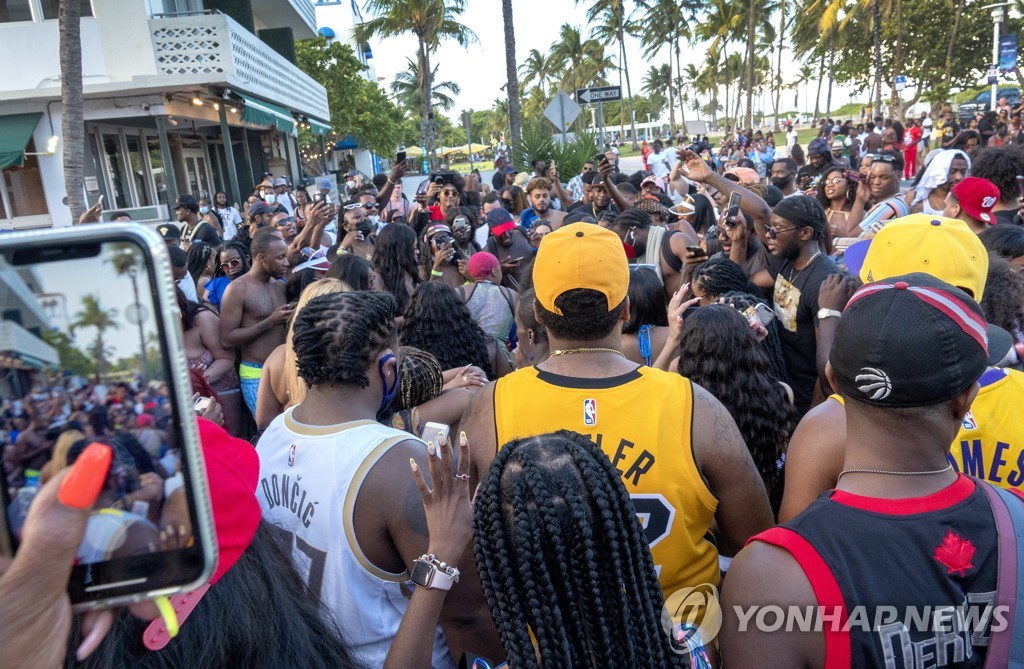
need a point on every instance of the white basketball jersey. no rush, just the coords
(309, 480)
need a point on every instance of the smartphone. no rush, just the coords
(322, 197)
(761, 312)
(201, 404)
(734, 206)
(101, 199)
(430, 431)
(399, 157)
(697, 251)
(50, 281)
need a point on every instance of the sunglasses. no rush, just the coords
(835, 181)
(448, 192)
(285, 221)
(882, 158)
(231, 264)
(508, 201)
(773, 233)
(354, 205)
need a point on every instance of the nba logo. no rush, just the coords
(590, 412)
(969, 423)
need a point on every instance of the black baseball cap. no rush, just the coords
(909, 341)
(186, 201)
(169, 231)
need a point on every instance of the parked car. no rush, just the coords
(983, 102)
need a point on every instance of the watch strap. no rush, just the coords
(829, 313)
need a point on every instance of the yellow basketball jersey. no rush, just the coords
(643, 423)
(990, 444)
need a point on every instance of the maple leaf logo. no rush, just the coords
(955, 553)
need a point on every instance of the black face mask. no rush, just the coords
(364, 227)
(782, 182)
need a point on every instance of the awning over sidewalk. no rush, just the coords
(319, 127)
(15, 131)
(261, 112)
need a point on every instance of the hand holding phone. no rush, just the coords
(435, 432)
(697, 251)
(734, 208)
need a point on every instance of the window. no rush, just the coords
(15, 10)
(136, 162)
(23, 189)
(156, 162)
(116, 169)
(51, 8)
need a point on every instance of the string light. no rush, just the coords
(197, 102)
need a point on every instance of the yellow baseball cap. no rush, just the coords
(945, 248)
(580, 255)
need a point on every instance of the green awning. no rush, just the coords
(15, 131)
(318, 127)
(261, 112)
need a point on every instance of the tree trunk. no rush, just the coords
(828, 98)
(514, 110)
(72, 121)
(671, 101)
(679, 84)
(778, 71)
(629, 86)
(952, 38)
(817, 97)
(426, 120)
(622, 109)
(751, 30)
(876, 29)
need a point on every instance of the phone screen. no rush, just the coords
(400, 157)
(734, 204)
(92, 352)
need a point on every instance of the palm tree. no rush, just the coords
(69, 21)
(95, 316)
(406, 89)
(582, 61)
(432, 22)
(611, 19)
(805, 75)
(536, 69)
(722, 22)
(666, 22)
(657, 81)
(512, 80)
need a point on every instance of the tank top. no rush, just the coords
(643, 422)
(309, 481)
(919, 556)
(491, 308)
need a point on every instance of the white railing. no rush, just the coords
(215, 49)
(305, 9)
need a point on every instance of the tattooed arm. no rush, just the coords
(729, 471)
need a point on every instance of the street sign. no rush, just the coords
(901, 82)
(562, 111)
(993, 74)
(598, 94)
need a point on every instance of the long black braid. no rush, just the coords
(721, 275)
(772, 344)
(337, 336)
(420, 378)
(438, 322)
(198, 259)
(561, 555)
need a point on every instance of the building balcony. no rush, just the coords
(213, 49)
(298, 15)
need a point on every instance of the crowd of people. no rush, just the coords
(804, 379)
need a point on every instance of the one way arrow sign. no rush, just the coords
(599, 94)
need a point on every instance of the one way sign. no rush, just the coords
(599, 94)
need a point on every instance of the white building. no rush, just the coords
(335, 20)
(181, 96)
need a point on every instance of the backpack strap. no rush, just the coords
(1006, 646)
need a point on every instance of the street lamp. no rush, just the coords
(997, 17)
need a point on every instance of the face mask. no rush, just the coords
(364, 226)
(627, 244)
(270, 198)
(204, 210)
(783, 181)
(389, 393)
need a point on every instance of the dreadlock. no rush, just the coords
(721, 275)
(295, 386)
(337, 336)
(720, 353)
(420, 378)
(561, 555)
(438, 322)
(394, 257)
(772, 345)
(198, 259)
(243, 252)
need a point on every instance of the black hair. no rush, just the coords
(298, 282)
(960, 142)
(772, 344)
(563, 559)
(896, 163)
(898, 127)
(788, 162)
(438, 322)
(353, 271)
(646, 301)
(336, 337)
(238, 247)
(230, 626)
(1005, 239)
(588, 177)
(585, 315)
(703, 212)
(797, 154)
(526, 316)
(491, 198)
(1000, 165)
(394, 257)
(114, 215)
(198, 258)
(178, 257)
(718, 276)
(633, 218)
(851, 189)
(379, 181)
(420, 378)
(720, 353)
(262, 240)
(518, 196)
(627, 189)
(1003, 300)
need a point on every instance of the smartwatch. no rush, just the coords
(829, 313)
(429, 572)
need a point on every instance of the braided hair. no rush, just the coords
(721, 275)
(296, 388)
(561, 555)
(337, 337)
(772, 344)
(719, 352)
(420, 378)
(198, 259)
(438, 322)
(394, 257)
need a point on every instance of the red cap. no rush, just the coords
(977, 196)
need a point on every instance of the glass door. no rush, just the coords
(197, 172)
(116, 171)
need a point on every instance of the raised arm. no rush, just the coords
(750, 203)
(606, 171)
(397, 172)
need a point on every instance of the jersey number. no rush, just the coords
(656, 516)
(290, 542)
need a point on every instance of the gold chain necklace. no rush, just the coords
(572, 351)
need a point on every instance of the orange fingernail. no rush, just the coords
(83, 483)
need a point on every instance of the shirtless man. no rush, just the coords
(32, 449)
(254, 312)
(539, 192)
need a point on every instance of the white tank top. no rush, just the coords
(309, 480)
